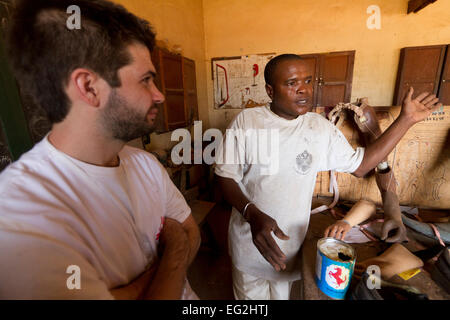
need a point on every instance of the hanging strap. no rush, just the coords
(333, 188)
(332, 116)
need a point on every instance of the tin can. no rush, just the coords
(334, 267)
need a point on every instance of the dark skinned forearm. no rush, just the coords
(261, 224)
(232, 193)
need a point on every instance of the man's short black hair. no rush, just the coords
(271, 66)
(43, 51)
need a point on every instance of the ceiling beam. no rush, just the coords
(416, 5)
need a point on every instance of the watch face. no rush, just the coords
(383, 165)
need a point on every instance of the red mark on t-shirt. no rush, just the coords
(160, 228)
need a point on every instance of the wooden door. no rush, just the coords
(172, 71)
(190, 90)
(160, 121)
(335, 78)
(421, 68)
(172, 113)
(444, 89)
(312, 60)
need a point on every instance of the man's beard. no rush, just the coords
(123, 122)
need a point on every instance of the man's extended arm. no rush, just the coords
(413, 111)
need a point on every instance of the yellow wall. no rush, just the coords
(205, 29)
(238, 27)
(179, 23)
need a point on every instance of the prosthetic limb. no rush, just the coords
(386, 291)
(367, 122)
(394, 260)
(360, 212)
(393, 229)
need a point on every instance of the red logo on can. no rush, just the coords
(337, 277)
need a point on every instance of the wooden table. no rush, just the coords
(319, 222)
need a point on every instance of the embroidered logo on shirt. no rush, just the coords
(303, 162)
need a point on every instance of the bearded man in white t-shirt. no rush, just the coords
(82, 215)
(273, 194)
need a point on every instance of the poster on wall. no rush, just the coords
(239, 81)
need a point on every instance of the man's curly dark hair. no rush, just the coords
(43, 51)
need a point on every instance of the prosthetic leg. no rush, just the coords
(393, 229)
(365, 118)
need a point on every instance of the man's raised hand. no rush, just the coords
(419, 108)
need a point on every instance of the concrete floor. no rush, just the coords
(210, 275)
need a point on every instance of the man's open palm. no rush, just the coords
(421, 107)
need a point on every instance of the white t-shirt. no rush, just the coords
(282, 184)
(56, 211)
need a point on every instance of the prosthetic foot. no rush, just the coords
(394, 260)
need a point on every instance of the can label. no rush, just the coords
(334, 267)
(337, 276)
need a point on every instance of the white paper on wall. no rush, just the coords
(239, 82)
